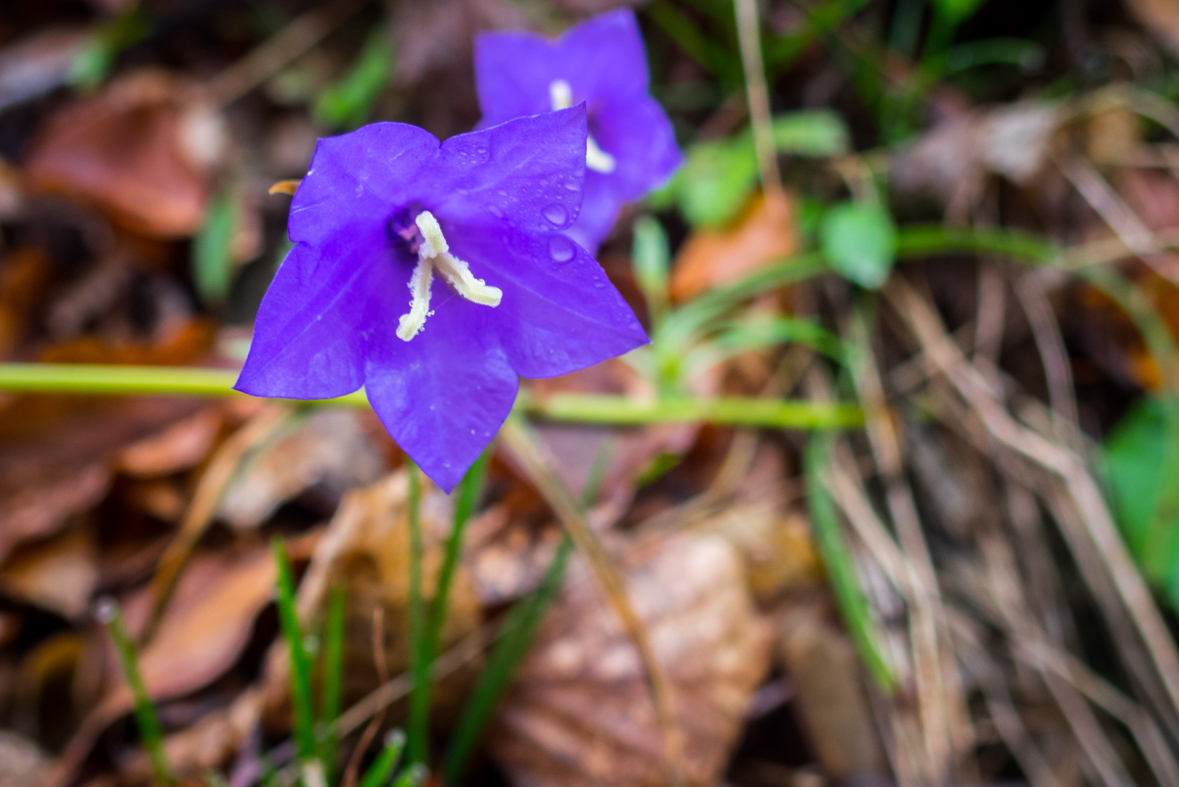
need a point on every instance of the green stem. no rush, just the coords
(419, 664)
(145, 714)
(576, 408)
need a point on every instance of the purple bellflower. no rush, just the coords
(631, 147)
(472, 227)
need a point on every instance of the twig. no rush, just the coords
(209, 491)
(525, 450)
(270, 57)
(757, 94)
(1090, 504)
(1053, 353)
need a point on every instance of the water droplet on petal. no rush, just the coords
(561, 248)
(556, 214)
(499, 214)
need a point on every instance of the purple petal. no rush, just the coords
(599, 211)
(559, 311)
(444, 395)
(525, 173)
(639, 135)
(308, 336)
(601, 58)
(361, 175)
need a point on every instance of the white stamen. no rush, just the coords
(561, 96)
(597, 159)
(419, 284)
(435, 251)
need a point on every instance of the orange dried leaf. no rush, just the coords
(762, 233)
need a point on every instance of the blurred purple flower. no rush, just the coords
(631, 147)
(472, 226)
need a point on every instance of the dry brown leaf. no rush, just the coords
(579, 712)
(133, 152)
(23, 275)
(330, 449)
(57, 456)
(179, 447)
(712, 258)
(436, 34)
(829, 683)
(206, 624)
(58, 574)
(365, 550)
(1160, 17)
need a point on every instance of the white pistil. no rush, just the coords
(561, 96)
(435, 251)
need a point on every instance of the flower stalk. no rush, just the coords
(109, 380)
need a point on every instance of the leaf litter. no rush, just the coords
(1003, 526)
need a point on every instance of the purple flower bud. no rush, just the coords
(631, 147)
(434, 275)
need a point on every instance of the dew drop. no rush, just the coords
(560, 248)
(499, 214)
(556, 214)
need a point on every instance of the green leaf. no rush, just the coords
(348, 103)
(1137, 456)
(651, 256)
(718, 176)
(212, 262)
(94, 61)
(860, 242)
(956, 12)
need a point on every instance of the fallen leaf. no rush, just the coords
(330, 449)
(579, 712)
(23, 275)
(436, 34)
(713, 258)
(125, 151)
(206, 624)
(57, 574)
(1160, 17)
(830, 697)
(179, 447)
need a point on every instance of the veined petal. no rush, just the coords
(312, 327)
(513, 70)
(444, 395)
(527, 173)
(606, 56)
(639, 135)
(559, 311)
(359, 177)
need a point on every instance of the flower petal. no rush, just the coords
(444, 395)
(526, 173)
(639, 135)
(600, 58)
(310, 333)
(359, 177)
(559, 311)
(599, 211)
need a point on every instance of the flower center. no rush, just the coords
(561, 96)
(433, 252)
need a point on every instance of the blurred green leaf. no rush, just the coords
(348, 103)
(718, 176)
(956, 12)
(212, 262)
(93, 64)
(651, 257)
(860, 242)
(1136, 455)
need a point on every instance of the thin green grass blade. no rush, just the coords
(378, 773)
(849, 596)
(145, 713)
(515, 638)
(333, 673)
(469, 491)
(419, 664)
(413, 776)
(300, 669)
